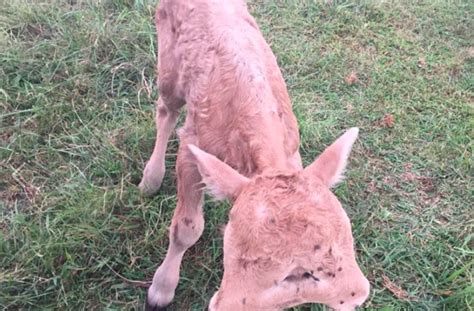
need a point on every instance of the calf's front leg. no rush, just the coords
(166, 118)
(186, 228)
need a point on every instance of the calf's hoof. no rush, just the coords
(151, 181)
(149, 188)
(149, 307)
(152, 178)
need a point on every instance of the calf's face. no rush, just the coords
(288, 240)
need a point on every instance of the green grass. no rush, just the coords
(77, 92)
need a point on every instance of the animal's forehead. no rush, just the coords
(290, 198)
(280, 190)
(290, 206)
(277, 183)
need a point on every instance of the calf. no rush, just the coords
(288, 240)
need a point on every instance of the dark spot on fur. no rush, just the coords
(161, 14)
(297, 290)
(244, 301)
(162, 111)
(341, 302)
(272, 220)
(320, 268)
(330, 251)
(340, 269)
(311, 271)
(177, 242)
(244, 263)
(187, 221)
(353, 294)
(330, 274)
(317, 247)
(175, 239)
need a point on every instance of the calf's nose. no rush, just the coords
(354, 293)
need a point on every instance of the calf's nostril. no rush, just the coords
(308, 275)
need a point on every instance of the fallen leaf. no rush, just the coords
(388, 120)
(394, 289)
(351, 78)
(445, 293)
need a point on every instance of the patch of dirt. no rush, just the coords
(5, 136)
(426, 186)
(11, 194)
(424, 189)
(368, 50)
(32, 31)
(465, 53)
(16, 191)
(407, 34)
(3, 227)
(371, 187)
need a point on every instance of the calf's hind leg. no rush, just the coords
(186, 228)
(166, 118)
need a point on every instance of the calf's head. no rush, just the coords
(288, 240)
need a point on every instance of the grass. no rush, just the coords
(77, 92)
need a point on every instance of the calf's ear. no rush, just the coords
(221, 180)
(330, 165)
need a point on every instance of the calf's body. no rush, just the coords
(288, 240)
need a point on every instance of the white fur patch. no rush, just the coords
(261, 211)
(346, 141)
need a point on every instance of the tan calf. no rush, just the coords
(288, 240)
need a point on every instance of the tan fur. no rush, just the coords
(288, 240)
